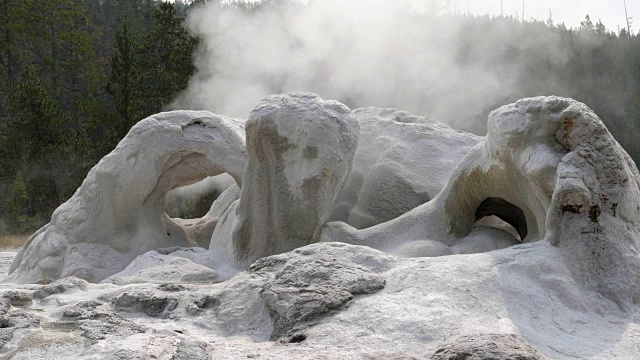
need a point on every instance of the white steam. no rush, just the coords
(361, 53)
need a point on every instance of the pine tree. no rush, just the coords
(125, 83)
(15, 203)
(167, 59)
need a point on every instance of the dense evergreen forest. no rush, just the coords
(75, 75)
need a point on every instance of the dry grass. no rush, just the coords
(13, 241)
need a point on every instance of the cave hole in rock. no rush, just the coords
(498, 213)
(298, 338)
(188, 186)
(6, 323)
(195, 200)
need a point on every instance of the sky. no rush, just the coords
(571, 12)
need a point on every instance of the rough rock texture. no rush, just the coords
(300, 150)
(302, 291)
(14, 298)
(487, 347)
(118, 211)
(278, 298)
(402, 161)
(60, 286)
(146, 302)
(13, 322)
(191, 350)
(594, 216)
(525, 290)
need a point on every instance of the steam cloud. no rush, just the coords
(362, 53)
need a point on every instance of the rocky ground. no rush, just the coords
(6, 257)
(325, 301)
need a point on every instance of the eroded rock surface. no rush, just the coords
(554, 160)
(301, 291)
(402, 161)
(487, 347)
(300, 150)
(61, 286)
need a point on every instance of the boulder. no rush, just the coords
(153, 267)
(487, 347)
(300, 291)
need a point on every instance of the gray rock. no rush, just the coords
(118, 212)
(154, 305)
(12, 322)
(306, 285)
(171, 287)
(16, 298)
(402, 161)
(486, 347)
(191, 350)
(61, 286)
(95, 322)
(5, 305)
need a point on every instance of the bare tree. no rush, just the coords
(629, 19)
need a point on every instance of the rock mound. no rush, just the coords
(300, 150)
(487, 347)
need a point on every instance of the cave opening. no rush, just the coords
(498, 213)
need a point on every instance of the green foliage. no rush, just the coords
(125, 83)
(167, 62)
(16, 205)
(37, 121)
(15, 202)
(75, 76)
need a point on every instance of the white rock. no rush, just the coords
(402, 161)
(153, 267)
(554, 160)
(569, 291)
(224, 202)
(118, 211)
(300, 150)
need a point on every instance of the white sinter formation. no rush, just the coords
(118, 212)
(333, 241)
(300, 150)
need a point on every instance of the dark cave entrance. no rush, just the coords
(499, 213)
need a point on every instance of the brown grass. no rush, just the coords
(13, 240)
